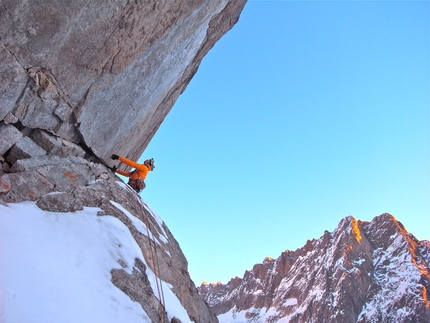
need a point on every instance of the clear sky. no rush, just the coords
(304, 113)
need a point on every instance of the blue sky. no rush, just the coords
(304, 113)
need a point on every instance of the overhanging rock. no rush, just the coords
(103, 74)
(80, 80)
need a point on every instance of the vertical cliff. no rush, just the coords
(80, 80)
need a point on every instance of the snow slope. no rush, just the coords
(55, 267)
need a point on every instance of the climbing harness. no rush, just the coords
(137, 184)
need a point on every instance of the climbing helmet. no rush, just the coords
(151, 163)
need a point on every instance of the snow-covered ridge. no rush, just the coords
(57, 267)
(361, 272)
(79, 245)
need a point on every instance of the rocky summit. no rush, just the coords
(361, 272)
(79, 81)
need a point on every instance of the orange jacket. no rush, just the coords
(140, 171)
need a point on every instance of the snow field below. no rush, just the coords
(55, 267)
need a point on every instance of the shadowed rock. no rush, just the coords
(104, 73)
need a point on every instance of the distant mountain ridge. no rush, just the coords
(362, 272)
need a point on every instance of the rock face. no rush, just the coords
(362, 272)
(103, 74)
(68, 184)
(80, 80)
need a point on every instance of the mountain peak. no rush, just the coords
(361, 272)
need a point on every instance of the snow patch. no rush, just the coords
(157, 218)
(56, 267)
(290, 302)
(138, 224)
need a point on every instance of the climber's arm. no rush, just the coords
(131, 163)
(121, 172)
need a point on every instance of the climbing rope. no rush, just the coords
(156, 267)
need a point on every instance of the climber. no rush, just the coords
(136, 177)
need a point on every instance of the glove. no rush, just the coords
(114, 157)
(113, 169)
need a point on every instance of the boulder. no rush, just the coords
(44, 139)
(9, 136)
(24, 148)
(10, 118)
(55, 145)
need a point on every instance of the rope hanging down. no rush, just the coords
(156, 267)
